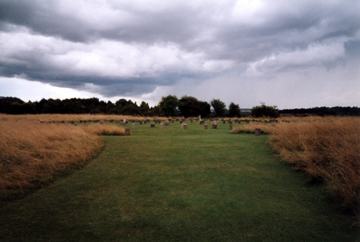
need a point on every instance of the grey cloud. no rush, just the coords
(41, 17)
(202, 32)
(352, 47)
(175, 25)
(286, 31)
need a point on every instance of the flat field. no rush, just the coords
(173, 184)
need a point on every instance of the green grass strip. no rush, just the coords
(172, 184)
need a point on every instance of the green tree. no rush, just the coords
(144, 108)
(263, 110)
(131, 108)
(127, 107)
(188, 106)
(23, 108)
(191, 107)
(154, 111)
(168, 105)
(234, 110)
(121, 102)
(204, 108)
(111, 108)
(6, 104)
(219, 107)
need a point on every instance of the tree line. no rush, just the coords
(13, 105)
(323, 111)
(170, 105)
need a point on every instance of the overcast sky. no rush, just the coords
(292, 54)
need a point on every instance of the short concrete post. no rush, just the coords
(206, 126)
(127, 132)
(133, 125)
(161, 125)
(185, 126)
(257, 132)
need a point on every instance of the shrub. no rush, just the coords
(264, 111)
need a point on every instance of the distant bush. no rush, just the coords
(264, 111)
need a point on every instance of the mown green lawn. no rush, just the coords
(179, 185)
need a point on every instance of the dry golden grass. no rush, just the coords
(250, 128)
(69, 117)
(32, 154)
(101, 129)
(327, 149)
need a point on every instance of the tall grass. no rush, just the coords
(32, 154)
(327, 149)
(69, 117)
(62, 117)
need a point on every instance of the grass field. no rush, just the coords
(327, 149)
(172, 184)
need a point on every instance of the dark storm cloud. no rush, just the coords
(131, 47)
(138, 25)
(41, 17)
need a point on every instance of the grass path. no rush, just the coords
(179, 185)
